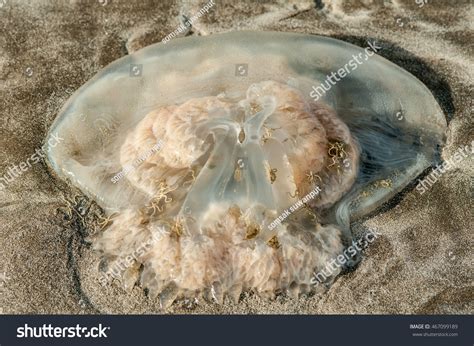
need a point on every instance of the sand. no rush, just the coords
(422, 262)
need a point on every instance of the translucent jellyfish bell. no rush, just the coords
(241, 158)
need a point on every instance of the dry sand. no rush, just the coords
(421, 264)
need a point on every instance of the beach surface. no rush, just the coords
(420, 264)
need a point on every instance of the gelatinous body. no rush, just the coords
(254, 182)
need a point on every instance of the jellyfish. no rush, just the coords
(235, 162)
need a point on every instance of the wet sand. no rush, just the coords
(422, 262)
